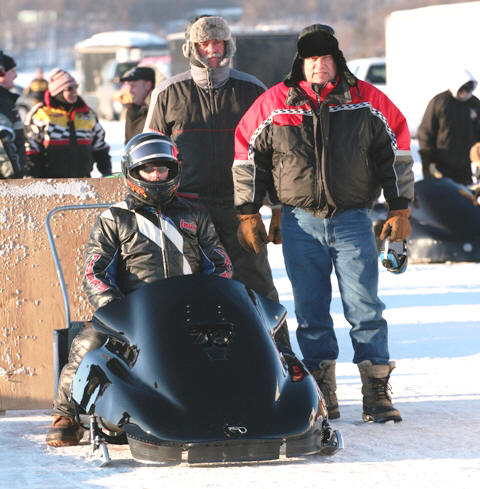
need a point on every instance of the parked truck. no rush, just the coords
(423, 47)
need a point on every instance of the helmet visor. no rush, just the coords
(149, 150)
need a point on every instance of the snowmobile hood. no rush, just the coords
(200, 365)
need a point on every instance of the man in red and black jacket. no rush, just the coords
(328, 143)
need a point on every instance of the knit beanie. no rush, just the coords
(207, 28)
(8, 62)
(318, 40)
(59, 80)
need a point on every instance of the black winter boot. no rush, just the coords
(377, 401)
(326, 380)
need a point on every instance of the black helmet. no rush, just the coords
(394, 256)
(149, 147)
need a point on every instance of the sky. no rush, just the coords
(433, 313)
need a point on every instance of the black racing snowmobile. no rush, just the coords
(445, 219)
(190, 367)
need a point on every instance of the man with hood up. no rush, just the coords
(329, 143)
(449, 128)
(199, 109)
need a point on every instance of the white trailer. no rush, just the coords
(103, 58)
(423, 47)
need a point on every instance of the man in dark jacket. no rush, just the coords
(64, 137)
(12, 143)
(329, 143)
(151, 235)
(199, 109)
(140, 82)
(449, 128)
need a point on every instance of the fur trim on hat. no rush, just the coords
(207, 28)
(203, 29)
(59, 80)
(318, 40)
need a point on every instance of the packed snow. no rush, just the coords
(434, 317)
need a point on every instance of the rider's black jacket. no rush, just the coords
(132, 244)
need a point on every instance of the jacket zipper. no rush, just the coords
(214, 124)
(320, 199)
(323, 163)
(166, 272)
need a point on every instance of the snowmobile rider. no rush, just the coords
(13, 161)
(199, 109)
(151, 235)
(329, 143)
(450, 127)
(64, 137)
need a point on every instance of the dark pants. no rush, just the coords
(88, 339)
(249, 268)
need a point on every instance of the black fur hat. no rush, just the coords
(318, 40)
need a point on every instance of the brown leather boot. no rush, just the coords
(377, 401)
(64, 431)
(326, 380)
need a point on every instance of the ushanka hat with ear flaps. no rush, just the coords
(207, 28)
(318, 40)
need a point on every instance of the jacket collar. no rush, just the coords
(7, 93)
(78, 106)
(333, 94)
(206, 78)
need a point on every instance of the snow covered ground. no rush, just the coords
(434, 317)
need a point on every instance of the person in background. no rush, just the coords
(12, 143)
(199, 109)
(64, 137)
(449, 128)
(37, 88)
(329, 143)
(139, 83)
(151, 235)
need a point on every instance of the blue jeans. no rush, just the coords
(311, 246)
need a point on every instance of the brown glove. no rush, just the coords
(397, 225)
(251, 232)
(274, 234)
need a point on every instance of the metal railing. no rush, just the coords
(56, 259)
